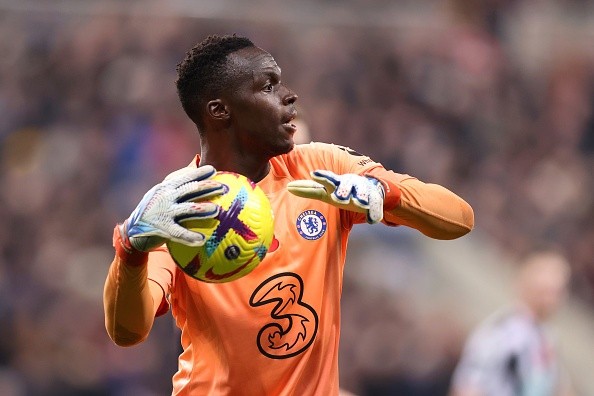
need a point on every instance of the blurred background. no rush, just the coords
(493, 99)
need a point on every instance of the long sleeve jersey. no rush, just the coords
(276, 331)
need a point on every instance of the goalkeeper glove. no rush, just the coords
(352, 192)
(156, 218)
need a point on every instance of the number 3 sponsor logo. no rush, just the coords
(294, 323)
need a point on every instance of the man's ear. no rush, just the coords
(217, 109)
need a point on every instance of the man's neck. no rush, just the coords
(253, 170)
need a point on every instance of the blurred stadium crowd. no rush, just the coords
(473, 98)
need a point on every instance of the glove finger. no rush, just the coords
(199, 190)
(188, 174)
(361, 194)
(172, 231)
(184, 236)
(328, 179)
(344, 191)
(143, 229)
(307, 189)
(146, 239)
(375, 214)
(195, 210)
(144, 202)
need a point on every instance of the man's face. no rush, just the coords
(548, 292)
(261, 107)
(544, 283)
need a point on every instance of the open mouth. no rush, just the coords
(290, 127)
(287, 121)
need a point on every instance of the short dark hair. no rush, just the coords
(203, 74)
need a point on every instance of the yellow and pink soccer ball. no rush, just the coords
(237, 240)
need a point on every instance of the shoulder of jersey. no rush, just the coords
(315, 147)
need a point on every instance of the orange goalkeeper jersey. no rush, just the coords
(276, 330)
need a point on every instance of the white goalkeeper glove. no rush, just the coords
(156, 218)
(349, 191)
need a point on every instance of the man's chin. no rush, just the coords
(291, 146)
(285, 148)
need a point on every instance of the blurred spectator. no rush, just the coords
(512, 353)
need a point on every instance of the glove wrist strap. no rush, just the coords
(392, 198)
(125, 251)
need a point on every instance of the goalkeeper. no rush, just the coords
(276, 330)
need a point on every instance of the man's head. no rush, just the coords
(205, 73)
(543, 283)
(232, 90)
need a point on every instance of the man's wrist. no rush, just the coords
(392, 197)
(124, 249)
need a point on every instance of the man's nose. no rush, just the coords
(290, 97)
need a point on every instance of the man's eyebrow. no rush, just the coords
(269, 73)
(274, 73)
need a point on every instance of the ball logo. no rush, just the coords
(311, 224)
(232, 252)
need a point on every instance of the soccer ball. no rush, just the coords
(237, 239)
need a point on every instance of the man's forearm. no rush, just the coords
(128, 303)
(432, 209)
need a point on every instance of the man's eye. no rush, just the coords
(268, 87)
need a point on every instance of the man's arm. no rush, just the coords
(432, 209)
(130, 301)
(476, 365)
(349, 181)
(392, 198)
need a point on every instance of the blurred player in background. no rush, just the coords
(512, 352)
(276, 330)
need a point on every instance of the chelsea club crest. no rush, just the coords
(311, 224)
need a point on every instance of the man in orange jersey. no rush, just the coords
(276, 330)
